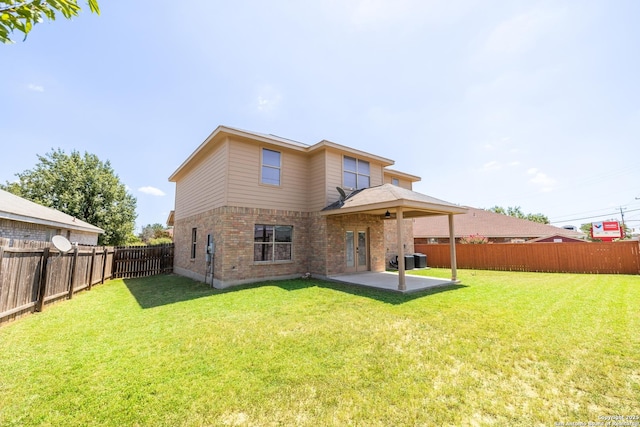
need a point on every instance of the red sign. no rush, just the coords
(607, 231)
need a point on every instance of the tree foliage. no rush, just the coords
(22, 15)
(81, 186)
(154, 234)
(516, 212)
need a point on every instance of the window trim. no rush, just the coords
(274, 244)
(263, 165)
(356, 172)
(194, 242)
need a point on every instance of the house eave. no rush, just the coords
(410, 209)
(324, 144)
(49, 223)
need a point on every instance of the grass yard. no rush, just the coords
(502, 349)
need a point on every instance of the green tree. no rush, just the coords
(516, 212)
(153, 233)
(498, 209)
(22, 15)
(81, 186)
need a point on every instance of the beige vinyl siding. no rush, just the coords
(203, 188)
(333, 169)
(317, 198)
(245, 188)
(377, 173)
(404, 183)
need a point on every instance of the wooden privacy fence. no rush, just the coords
(141, 261)
(31, 278)
(596, 257)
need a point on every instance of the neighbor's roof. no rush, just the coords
(221, 132)
(564, 239)
(388, 197)
(16, 208)
(488, 224)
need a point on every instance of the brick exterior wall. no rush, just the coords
(391, 238)
(336, 240)
(318, 244)
(18, 230)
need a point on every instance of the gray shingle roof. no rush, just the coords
(16, 208)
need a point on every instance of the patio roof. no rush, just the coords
(388, 197)
(390, 201)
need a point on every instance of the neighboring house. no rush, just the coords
(557, 238)
(497, 228)
(270, 207)
(21, 219)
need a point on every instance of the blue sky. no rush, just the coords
(513, 103)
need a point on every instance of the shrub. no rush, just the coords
(474, 239)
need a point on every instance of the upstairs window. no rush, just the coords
(395, 182)
(272, 243)
(271, 164)
(356, 173)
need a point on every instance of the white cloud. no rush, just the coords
(35, 88)
(268, 99)
(514, 163)
(491, 166)
(540, 179)
(151, 191)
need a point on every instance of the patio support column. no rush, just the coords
(401, 279)
(452, 248)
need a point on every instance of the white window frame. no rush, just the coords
(270, 167)
(358, 174)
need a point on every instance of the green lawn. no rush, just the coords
(501, 349)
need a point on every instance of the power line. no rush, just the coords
(591, 217)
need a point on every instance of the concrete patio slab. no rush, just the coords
(389, 281)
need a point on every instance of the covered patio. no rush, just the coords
(392, 202)
(389, 281)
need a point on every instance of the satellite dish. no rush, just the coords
(343, 195)
(61, 243)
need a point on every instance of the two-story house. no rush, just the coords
(252, 207)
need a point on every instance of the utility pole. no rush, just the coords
(622, 215)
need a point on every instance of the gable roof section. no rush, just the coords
(553, 237)
(221, 132)
(387, 197)
(488, 224)
(16, 208)
(397, 174)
